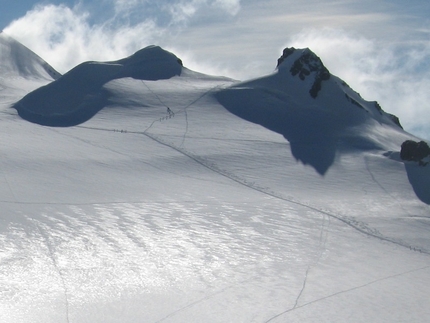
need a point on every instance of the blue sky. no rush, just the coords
(380, 48)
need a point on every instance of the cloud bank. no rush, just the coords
(67, 36)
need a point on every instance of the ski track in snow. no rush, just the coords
(184, 109)
(352, 222)
(303, 287)
(366, 162)
(186, 129)
(201, 300)
(322, 241)
(345, 291)
(88, 142)
(357, 225)
(326, 216)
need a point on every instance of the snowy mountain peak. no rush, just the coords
(152, 53)
(16, 60)
(150, 63)
(315, 111)
(304, 64)
(79, 94)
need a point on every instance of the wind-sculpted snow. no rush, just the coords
(78, 95)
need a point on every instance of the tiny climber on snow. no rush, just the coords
(170, 112)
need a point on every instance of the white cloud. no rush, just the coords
(125, 5)
(183, 10)
(397, 77)
(230, 6)
(65, 38)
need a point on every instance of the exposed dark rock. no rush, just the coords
(285, 53)
(305, 65)
(322, 75)
(415, 151)
(378, 107)
(345, 84)
(355, 102)
(395, 119)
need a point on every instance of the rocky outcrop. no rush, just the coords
(415, 151)
(306, 65)
(395, 119)
(285, 53)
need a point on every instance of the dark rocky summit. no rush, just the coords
(285, 53)
(395, 119)
(308, 63)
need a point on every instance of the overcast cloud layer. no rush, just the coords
(380, 49)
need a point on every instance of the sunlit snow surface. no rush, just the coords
(200, 216)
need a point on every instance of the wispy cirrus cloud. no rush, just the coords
(173, 11)
(230, 6)
(184, 10)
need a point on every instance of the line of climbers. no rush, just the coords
(170, 114)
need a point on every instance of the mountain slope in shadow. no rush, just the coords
(79, 94)
(315, 111)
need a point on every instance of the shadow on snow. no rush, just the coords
(419, 177)
(79, 94)
(314, 134)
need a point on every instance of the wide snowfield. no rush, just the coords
(200, 216)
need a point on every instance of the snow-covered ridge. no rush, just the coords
(79, 94)
(317, 112)
(305, 64)
(16, 60)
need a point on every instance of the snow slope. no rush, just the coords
(17, 60)
(316, 112)
(139, 214)
(21, 70)
(78, 95)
